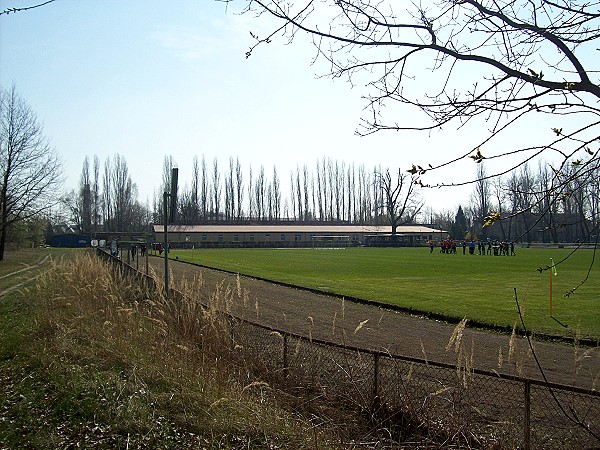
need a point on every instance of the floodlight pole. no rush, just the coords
(166, 242)
(168, 218)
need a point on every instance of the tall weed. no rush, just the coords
(141, 365)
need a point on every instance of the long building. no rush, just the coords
(294, 235)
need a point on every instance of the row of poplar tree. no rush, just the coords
(535, 204)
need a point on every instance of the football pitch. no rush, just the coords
(480, 288)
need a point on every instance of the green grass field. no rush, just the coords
(16, 268)
(480, 288)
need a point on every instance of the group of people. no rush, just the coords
(446, 246)
(133, 251)
(496, 248)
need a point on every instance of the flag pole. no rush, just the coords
(551, 264)
(552, 273)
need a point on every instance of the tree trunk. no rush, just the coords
(2, 241)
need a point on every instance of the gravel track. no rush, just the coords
(364, 326)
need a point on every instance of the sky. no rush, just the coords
(151, 78)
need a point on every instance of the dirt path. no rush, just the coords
(19, 275)
(332, 319)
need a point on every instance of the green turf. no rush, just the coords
(480, 288)
(18, 267)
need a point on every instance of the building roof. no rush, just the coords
(313, 229)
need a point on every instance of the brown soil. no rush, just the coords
(359, 325)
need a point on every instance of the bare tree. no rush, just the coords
(188, 198)
(185, 206)
(216, 190)
(107, 203)
(480, 199)
(231, 192)
(85, 198)
(401, 201)
(239, 186)
(577, 188)
(260, 192)
(378, 202)
(496, 64)
(524, 201)
(500, 195)
(351, 192)
(546, 205)
(337, 184)
(293, 196)
(80, 204)
(204, 190)
(195, 189)
(251, 199)
(364, 199)
(122, 210)
(29, 168)
(308, 214)
(96, 202)
(593, 197)
(511, 187)
(229, 183)
(320, 188)
(298, 191)
(269, 201)
(276, 195)
(70, 207)
(446, 218)
(168, 165)
(331, 188)
(123, 195)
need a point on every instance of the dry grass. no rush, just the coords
(464, 362)
(113, 364)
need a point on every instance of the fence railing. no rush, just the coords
(416, 397)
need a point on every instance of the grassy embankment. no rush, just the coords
(89, 360)
(480, 288)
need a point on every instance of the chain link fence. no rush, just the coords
(435, 401)
(420, 400)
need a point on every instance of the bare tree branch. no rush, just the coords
(15, 10)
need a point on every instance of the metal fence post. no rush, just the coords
(527, 418)
(148, 247)
(285, 355)
(393, 369)
(375, 399)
